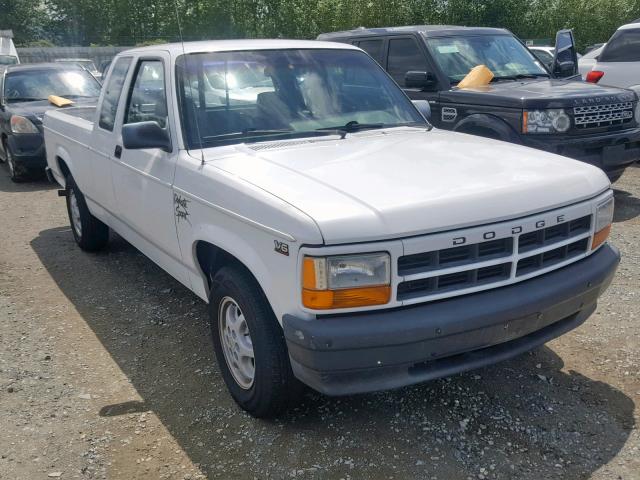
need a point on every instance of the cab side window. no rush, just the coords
(404, 55)
(113, 92)
(148, 97)
(624, 46)
(373, 48)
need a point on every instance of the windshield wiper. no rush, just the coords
(254, 135)
(519, 76)
(24, 99)
(353, 126)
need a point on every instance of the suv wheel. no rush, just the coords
(89, 232)
(249, 345)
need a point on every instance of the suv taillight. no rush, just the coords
(594, 76)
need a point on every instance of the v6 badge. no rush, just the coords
(281, 247)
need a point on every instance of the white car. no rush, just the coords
(339, 239)
(544, 54)
(588, 60)
(618, 64)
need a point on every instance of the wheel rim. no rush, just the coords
(236, 343)
(75, 212)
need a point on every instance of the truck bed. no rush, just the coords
(68, 132)
(86, 112)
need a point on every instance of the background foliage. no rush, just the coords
(130, 22)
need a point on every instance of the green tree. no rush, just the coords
(26, 18)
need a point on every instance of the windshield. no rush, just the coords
(234, 97)
(32, 85)
(8, 60)
(502, 54)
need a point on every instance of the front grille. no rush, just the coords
(456, 256)
(494, 262)
(596, 116)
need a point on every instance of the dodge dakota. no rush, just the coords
(340, 241)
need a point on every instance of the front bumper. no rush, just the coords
(28, 150)
(612, 152)
(339, 355)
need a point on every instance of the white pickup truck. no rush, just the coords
(340, 241)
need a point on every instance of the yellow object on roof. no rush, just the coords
(59, 101)
(478, 76)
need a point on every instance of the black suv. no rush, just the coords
(525, 103)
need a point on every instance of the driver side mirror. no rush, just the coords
(565, 69)
(136, 136)
(421, 80)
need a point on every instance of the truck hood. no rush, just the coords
(403, 182)
(538, 93)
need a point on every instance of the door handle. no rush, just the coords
(118, 152)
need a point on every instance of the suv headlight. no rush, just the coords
(604, 217)
(553, 120)
(346, 281)
(21, 124)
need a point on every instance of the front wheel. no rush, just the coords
(16, 172)
(249, 345)
(89, 232)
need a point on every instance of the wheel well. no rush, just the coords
(481, 131)
(64, 169)
(212, 258)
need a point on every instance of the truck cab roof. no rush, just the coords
(176, 49)
(426, 30)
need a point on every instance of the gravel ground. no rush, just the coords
(107, 371)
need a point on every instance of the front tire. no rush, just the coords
(16, 172)
(90, 233)
(249, 345)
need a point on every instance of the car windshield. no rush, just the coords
(32, 84)
(235, 97)
(504, 55)
(8, 60)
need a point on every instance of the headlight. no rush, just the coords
(346, 281)
(545, 121)
(604, 217)
(22, 125)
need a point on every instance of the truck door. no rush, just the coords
(105, 140)
(143, 178)
(407, 63)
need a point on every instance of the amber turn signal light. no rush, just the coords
(600, 237)
(346, 298)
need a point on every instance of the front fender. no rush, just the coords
(275, 272)
(484, 121)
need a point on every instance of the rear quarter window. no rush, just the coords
(624, 46)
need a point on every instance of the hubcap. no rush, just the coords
(75, 212)
(236, 343)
